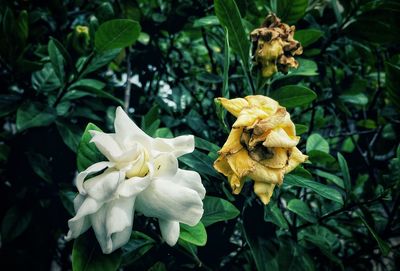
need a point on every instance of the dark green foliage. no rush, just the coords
(64, 64)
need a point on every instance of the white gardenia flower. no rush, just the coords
(141, 174)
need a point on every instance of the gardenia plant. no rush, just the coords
(141, 173)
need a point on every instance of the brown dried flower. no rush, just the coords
(274, 47)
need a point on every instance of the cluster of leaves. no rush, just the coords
(66, 63)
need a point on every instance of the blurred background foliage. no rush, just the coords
(66, 63)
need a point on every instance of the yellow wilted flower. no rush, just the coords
(261, 145)
(274, 47)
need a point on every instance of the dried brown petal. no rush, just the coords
(274, 46)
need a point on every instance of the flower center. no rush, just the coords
(257, 152)
(138, 166)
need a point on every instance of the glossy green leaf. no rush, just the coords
(317, 142)
(200, 162)
(40, 165)
(383, 246)
(229, 17)
(294, 95)
(87, 256)
(301, 129)
(15, 221)
(70, 134)
(206, 21)
(308, 36)
(273, 214)
(45, 80)
(216, 210)
(101, 59)
(290, 11)
(321, 189)
(331, 177)
(88, 154)
(118, 33)
(345, 172)
(57, 60)
(138, 245)
(300, 208)
(34, 115)
(196, 235)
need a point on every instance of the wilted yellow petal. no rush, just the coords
(234, 106)
(222, 166)
(264, 103)
(279, 159)
(232, 144)
(296, 158)
(279, 138)
(249, 117)
(266, 174)
(236, 183)
(241, 163)
(288, 125)
(264, 191)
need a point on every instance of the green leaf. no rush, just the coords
(331, 177)
(301, 129)
(208, 78)
(196, 235)
(70, 134)
(87, 256)
(378, 23)
(118, 33)
(206, 21)
(22, 25)
(294, 95)
(57, 60)
(200, 163)
(40, 165)
(321, 189)
(308, 36)
(67, 199)
(216, 210)
(317, 142)
(101, 59)
(164, 132)
(138, 245)
(205, 145)
(306, 68)
(9, 103)
(15, 222)
(392, 72)
(383, 246)
(46, 79)
(290, 11)
(301, 209)
(34, 115)
(88, 154)
(273, 214)
(229, 17)
(95, 87)
(345, 172)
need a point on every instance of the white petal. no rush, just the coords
(190, 179)
(165, 165)
(80, 222)
(127, 131)
(169, 231)
(178, 146)
(92, 169)
(133, 186)
(103, 186)
(166, 200)
(107, 144)
(112, 224)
